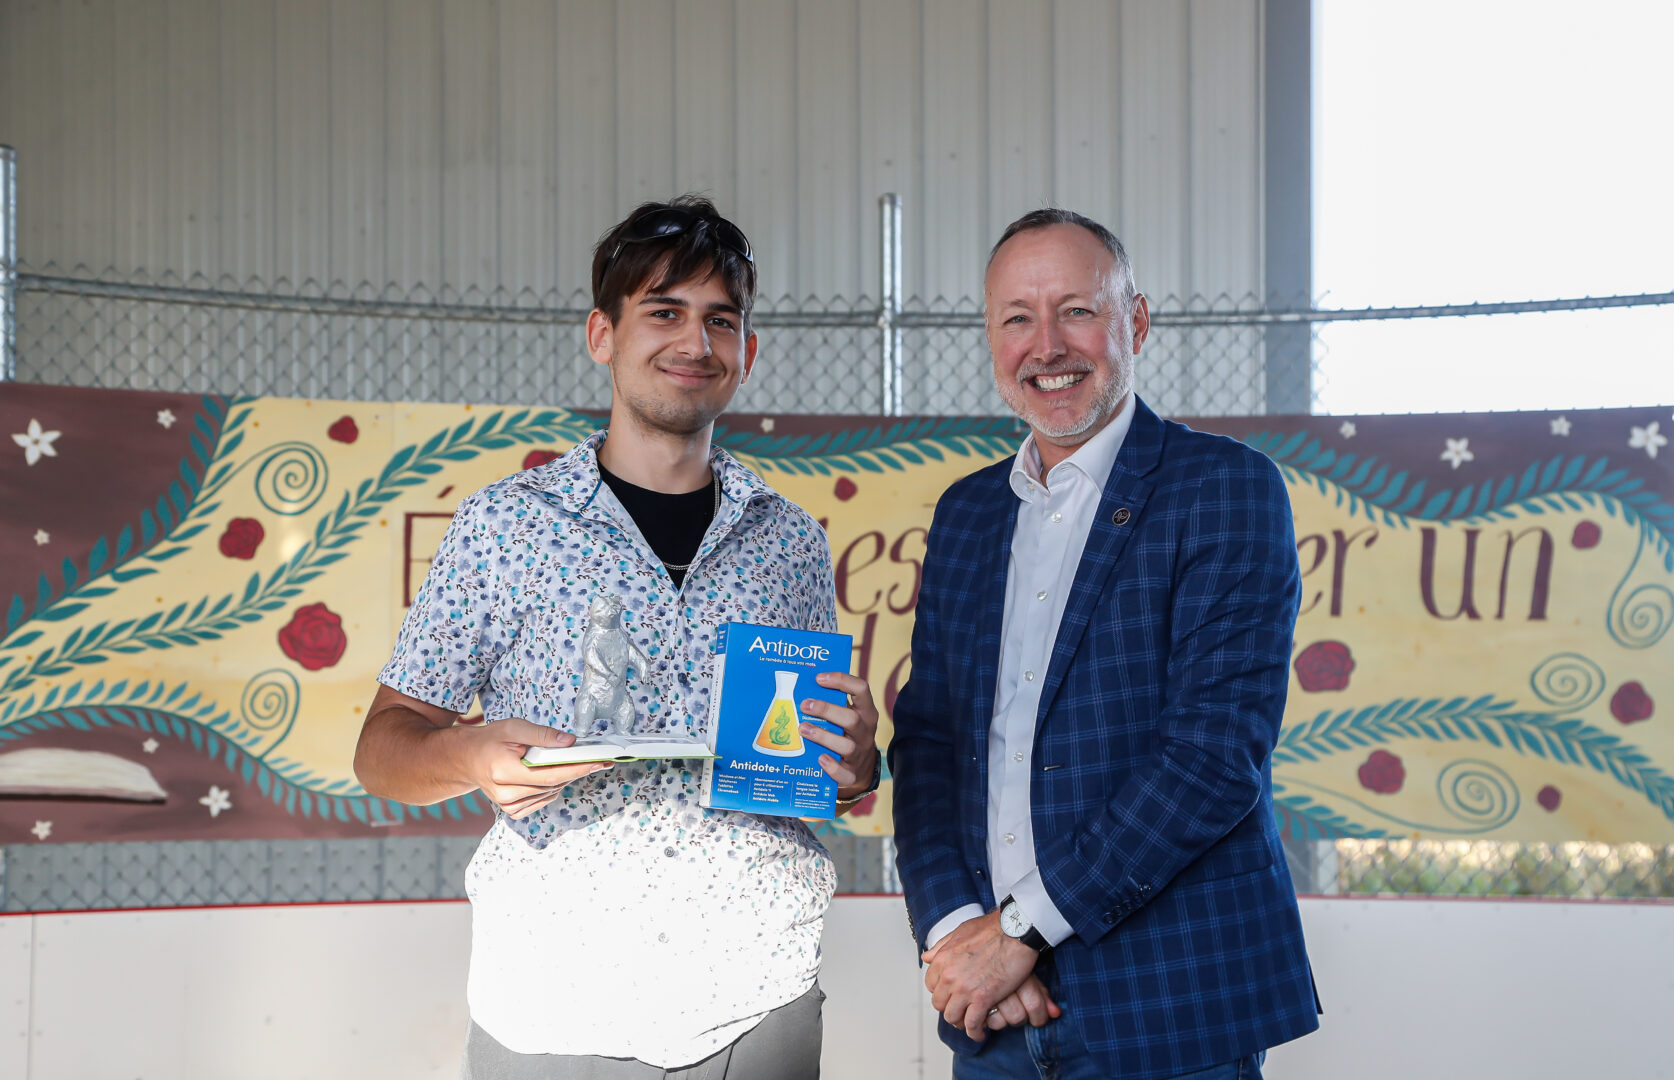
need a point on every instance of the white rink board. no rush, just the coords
(1541, 991)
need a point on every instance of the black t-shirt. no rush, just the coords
(672, 524)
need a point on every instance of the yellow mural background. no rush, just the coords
(1563, 667)
(1503, 726)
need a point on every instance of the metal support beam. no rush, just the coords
(1288, 216)
(8, 264)
(889, 304)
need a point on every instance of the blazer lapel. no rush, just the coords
(993, 540)
(1118, 516)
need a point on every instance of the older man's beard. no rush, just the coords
(1073, 427)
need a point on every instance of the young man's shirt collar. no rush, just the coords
(574, 478)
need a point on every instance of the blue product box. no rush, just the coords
(762, 764)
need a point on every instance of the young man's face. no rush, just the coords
(676, 355)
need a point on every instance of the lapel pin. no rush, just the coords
(1121, 516)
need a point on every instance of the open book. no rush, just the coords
(618, 748)
(79, 774)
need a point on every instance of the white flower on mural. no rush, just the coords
(42, 538)
(42, 830)
(165, 418)
(36, 443)
(1348, 429)
(767, 423)
(1560, 425)
(1458, 452)
(217, 800)
(1647, 438)
(150, 746)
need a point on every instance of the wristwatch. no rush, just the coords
(1014, 924)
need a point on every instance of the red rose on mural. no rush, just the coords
(535, 458)
(314, 637)
(1586, 535)
(344, 431)
(1631, 704)
(242, 538)
(1324, 665)
(865, 806)
(1383, 773)
(1549, 798)
(845, 488)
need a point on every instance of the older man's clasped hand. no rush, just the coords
(981, 980)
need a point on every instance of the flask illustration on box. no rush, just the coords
(779, 734)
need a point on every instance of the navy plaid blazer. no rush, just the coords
(1151, 792)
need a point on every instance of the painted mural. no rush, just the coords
(196, 594)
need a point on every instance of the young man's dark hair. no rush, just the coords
(682, 239)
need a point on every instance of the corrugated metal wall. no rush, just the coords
(488, 143)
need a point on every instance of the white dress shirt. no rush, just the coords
(1053, 522)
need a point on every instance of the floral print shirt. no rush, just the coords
(622, 919)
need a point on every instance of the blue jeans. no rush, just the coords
(1057, 1052)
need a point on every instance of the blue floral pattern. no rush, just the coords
(623, 919)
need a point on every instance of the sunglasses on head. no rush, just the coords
(672, 221)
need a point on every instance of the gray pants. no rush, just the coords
(784, 1046)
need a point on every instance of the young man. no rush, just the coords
(619, 929)
(1083, 797)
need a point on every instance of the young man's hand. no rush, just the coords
(415, 752)
(516, 788)
(856, 749)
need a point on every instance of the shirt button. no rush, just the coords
(1041, 595)
(1011, 838)
(1017, 756)
(1057, 517)
(668, 851)
(1029, 676)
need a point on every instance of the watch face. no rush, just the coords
(1012, 921)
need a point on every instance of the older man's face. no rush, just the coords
(1063, 345)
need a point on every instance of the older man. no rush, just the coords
(1083, 801)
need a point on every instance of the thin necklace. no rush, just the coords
(713, 510)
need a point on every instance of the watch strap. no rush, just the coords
(1032, 937)
(877, 779)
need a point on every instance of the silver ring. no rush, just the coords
(994, 1010)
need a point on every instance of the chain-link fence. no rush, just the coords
(156, 332)
(409, 344)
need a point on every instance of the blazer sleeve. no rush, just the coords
(1235, 591)
(923, 762)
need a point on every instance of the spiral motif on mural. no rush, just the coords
(1640, 619)
(1640, 616)
(292, 478)
(269, 706)
(1568, 682)
(1475, 791)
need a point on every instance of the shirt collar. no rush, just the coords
(1093, 459)
(574, 480)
